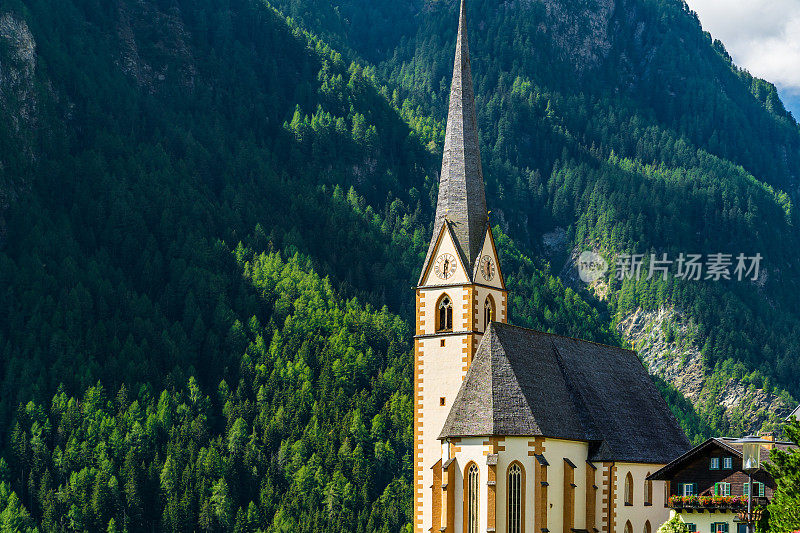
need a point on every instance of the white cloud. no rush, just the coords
(762, 36)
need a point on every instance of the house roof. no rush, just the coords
(795, 414)
(527, 383)
(725, 443)
(462, 198)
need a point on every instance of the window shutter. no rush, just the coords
(713, 527)
(694, 489)
(716, 489)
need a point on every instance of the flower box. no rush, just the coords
(707, 502)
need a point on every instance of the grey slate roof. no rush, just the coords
(527, 383)
(462, 198)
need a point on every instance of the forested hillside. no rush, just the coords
(212, 215)
(622, 126)
(160, 371)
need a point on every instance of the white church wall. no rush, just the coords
(471, 450)
(516, 449)
(639, 513)
(555, 452)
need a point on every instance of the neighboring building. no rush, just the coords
(795, 414)
(516, 430)
(708, 489)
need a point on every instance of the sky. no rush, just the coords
(762, 36)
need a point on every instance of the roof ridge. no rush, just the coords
(547, 333)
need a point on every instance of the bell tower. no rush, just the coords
(460, 290)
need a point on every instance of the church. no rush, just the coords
(516, 430)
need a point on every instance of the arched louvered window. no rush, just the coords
(647, 527)
(629, 489)
(444, 317)
(473, 491)
(488, 312)
(628, 527)
(648, 491)
(516, 498)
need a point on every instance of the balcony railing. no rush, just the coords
(713, 503)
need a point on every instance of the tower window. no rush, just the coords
(473, 489)
(445, 314)
(488, 312)
(441, 401)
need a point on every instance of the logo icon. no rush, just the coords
(591, 266)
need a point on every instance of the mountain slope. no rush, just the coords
(141, 143)
(622, 125)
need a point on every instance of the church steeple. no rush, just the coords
(462, 199)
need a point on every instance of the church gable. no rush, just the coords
(487, 267)
(445, 265)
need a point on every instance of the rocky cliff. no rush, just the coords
(667, 344)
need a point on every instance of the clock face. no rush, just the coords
(445, 266)
(487, 268)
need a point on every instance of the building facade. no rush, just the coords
(517, 430)
(708, 490)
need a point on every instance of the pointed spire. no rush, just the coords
(462, 199)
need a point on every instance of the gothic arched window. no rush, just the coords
(629, 489)
(444, 316)
(648, 491)
(488, 312)
(516, 498)
(628, 527)
(472, 492)
(647, 527)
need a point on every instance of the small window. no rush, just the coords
(722, 489)
(648, 491)
(689, 489)
(628, 527)
(647, 527)
(442, 343)
(719, 527)
(758, 489)
(691, 527)
(441, 401)
(727, 463)
(714, 463)
(488, 312)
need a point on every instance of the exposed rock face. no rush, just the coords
(154, 46)
(17, 69)
(665, 341)
(18, 102)
(580, 30)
